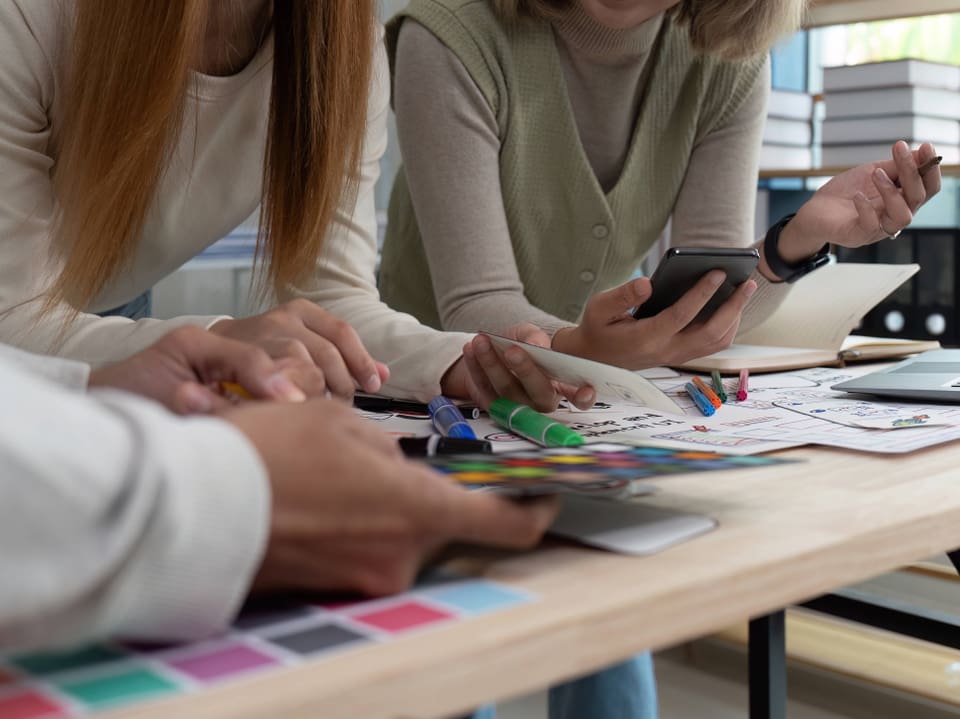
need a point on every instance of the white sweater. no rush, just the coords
(117, 517)
(212, 184)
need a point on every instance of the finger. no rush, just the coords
(484, 392)
(281, 348)
(614, 304)
(682, 312)
(485, 518)
(361, 366)
(911, 184)
(729, 313)
(218, 359)
(498, 376)
(932, 177)
(537, 386)
(896, 214)
(305, 376)
(581, 397)
(327, 357)
(193, 398)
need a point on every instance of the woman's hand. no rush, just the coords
(609, 333)
(349, 513)
(863, 205)
(483, 374)
(184, 369)
(302, 331)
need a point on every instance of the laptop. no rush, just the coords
(932, 375)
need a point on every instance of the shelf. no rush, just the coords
(839, 12)
(946, 170)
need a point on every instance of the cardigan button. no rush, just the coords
(600, 231)
(587, 276)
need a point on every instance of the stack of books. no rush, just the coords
(788, 134)
(871, 106)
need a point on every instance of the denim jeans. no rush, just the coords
(135, 309)
(623, 691)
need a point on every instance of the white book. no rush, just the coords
(784, 157)
(915, 129)
(892, 72)
(812, 325)
(844, 155)
(790, 104)
(900, 100)
(782, 131)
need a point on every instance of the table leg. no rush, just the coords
(768, 667)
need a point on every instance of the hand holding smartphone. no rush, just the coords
(682, 267)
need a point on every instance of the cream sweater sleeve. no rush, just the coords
(344, 282)
(27, 203)
(120, 518)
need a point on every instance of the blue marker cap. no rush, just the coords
(448, 420)
(703, 404)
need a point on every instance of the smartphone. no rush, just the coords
(682, 267)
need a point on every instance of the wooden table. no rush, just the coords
(787, 533)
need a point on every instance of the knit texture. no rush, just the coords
(560, 219)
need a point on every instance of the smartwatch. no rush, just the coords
(786, 271)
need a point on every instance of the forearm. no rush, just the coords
(118, 518)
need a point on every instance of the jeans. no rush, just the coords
(135, 309)
(623, 691)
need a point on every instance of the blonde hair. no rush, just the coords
(729, 29)
(124, 107)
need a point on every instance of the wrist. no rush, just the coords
(566, 340)
(785, 258)
(454, 384)
(795, 245)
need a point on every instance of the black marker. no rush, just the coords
(436, 444)
(371, 403)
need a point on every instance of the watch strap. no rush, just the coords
(786, 271)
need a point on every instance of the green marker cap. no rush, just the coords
(532, 425)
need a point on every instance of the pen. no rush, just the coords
(699, 399)
(712, 397)
(436, 444)
(532, 425)
(448, 420)
(718, 385)
(742, 387)
(234, 388)
(373, 403)
(925, 167)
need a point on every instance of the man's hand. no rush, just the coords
(350, 513)
(184, 369)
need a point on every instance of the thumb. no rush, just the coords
(194, 398)
(614, 304)
(529, 333)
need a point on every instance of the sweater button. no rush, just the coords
(600, 231)
(587, 276)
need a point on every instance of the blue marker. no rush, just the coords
(448, 420)
(703, 404)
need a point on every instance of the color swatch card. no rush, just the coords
(264, 638)
(593, 469)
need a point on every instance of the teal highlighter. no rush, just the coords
(532, 425)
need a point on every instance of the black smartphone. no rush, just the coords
(682, 267)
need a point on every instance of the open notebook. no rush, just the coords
(812, 326)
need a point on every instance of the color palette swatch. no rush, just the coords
(265, 637)
(595, 469)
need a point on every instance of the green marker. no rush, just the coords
(718, 386)
(532, 425)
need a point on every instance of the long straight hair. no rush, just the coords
(124, 109)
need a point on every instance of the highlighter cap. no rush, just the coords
(560, 436)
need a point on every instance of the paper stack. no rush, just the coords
(871, 106)
(788, 133)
